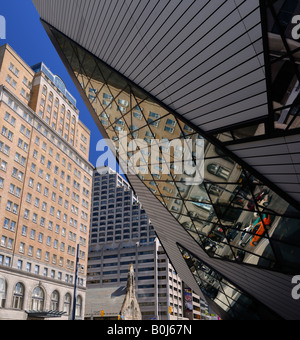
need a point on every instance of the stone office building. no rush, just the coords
(45, 189)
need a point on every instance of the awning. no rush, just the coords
(44, 314)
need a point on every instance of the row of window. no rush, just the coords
(17, 191)
(56, 105)
(77, 172)
(123, 232)
(153, 120)
(16, 73)
(13, 83)
(136, 226)
(14, 208)
(37, 299)
(134, 237)
(10, 225)
(22, 161)
(7, 242)
(64, 120)
(114, 280)
(28, 118)
(46, 272)
(59, 214)
(31, 182)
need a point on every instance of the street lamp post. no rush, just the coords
(75, 285)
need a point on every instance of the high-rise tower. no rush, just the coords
(122, 234)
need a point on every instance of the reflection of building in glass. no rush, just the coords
(222, 292)
(218, 86)
(195, 308)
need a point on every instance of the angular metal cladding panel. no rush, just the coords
(230, 112)
(219, 122)
(173, 51)
(201, 55)
(207, 93)
(210, 105)
(156, 37)
(164, 44)
(271, 160)
(277, 158)
(258, 148)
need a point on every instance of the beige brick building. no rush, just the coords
(45, 192)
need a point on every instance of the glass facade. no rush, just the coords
(232, 215)
(224, 294)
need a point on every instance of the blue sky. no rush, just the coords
(26, 35)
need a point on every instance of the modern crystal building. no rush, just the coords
(223, 74)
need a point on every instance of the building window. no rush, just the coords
(169, 129)
(54, 300)
(37, 301)
(78, 306)
(2, 292)
(67, 304)
(218, 170)
(18, 297)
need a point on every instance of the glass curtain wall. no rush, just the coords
(228, 297)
